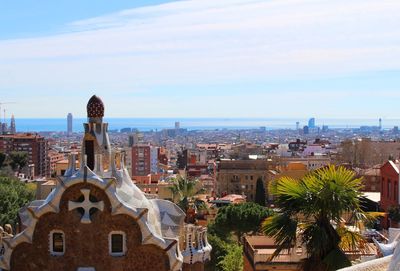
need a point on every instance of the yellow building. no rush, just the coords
(240, 176)
(61, 166)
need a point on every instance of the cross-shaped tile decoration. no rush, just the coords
(86, 205)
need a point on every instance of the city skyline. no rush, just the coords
(258, 59)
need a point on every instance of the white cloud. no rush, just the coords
(207, 41)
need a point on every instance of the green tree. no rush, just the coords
(183, 190)
(260, 192)
(13, 195)
(233, 260)
(219, 250)
(240, 219)
(18, 160)
(307, 209)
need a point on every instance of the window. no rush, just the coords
(117, 243)
(57, 243)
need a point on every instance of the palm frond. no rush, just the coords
(283, 229)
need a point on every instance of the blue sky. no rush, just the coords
(202, 58)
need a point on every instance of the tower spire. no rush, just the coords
(96, 142)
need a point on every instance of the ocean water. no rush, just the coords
(147, 124)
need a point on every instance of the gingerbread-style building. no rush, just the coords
(96, 219)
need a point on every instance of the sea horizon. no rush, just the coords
(148, 124)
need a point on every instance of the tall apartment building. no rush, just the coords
(69, 124)
(144, 159)
(141, 165)
(35, 145)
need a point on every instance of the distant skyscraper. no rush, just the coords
(69, 124)
(311, 123)
(380, 124)
(13, 129)
(297, 125)
(306, 130)
(177, 125)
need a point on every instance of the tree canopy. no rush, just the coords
(18, 160)
(308, 209)
(13, 195)
(240, 218)
(233, 260)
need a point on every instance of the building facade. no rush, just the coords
(240, 176)
(389, 185)
(371, 179)
(53, 157)
(141, 162)
(33, 144)
(259, 249)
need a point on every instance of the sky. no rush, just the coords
(201, 58)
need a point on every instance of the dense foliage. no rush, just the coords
(226, 254)
(260, 192)
(233, 260)
(18, 160)
(230, 224)
(308, 209)
(219, 250)
(240, 219)
(13, 195)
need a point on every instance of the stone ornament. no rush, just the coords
(95, 107)
(86, 205)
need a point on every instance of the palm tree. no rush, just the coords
(311, 210)
(183, 190)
